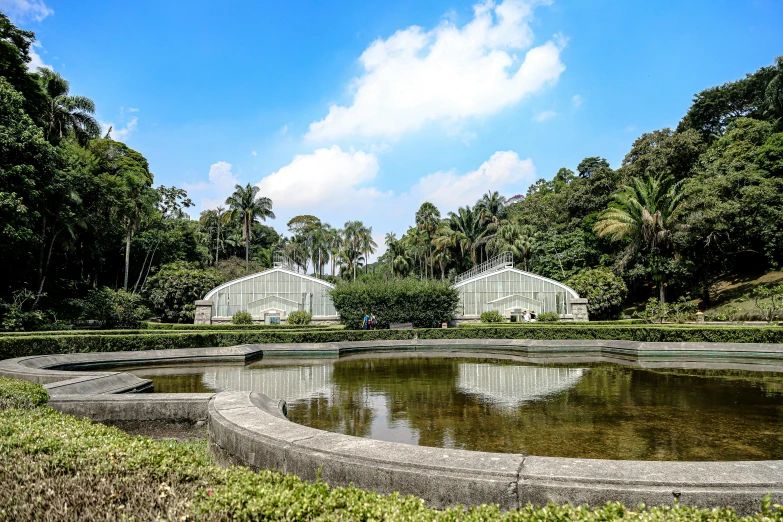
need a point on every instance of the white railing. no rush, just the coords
(496, 263)
(280, 260)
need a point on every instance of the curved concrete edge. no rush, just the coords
(250, 429)
(240, 432)
(174, 407)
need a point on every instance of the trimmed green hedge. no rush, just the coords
(17, 346)
(21, 394)
(218, 327)
(75, 469)
(426, 303)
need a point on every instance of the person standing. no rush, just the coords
(373, 322)
(366, 322)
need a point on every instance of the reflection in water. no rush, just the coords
(289, 383)
(487, 404)
(509, 386)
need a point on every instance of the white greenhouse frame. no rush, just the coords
(508, 288)
(276, 289)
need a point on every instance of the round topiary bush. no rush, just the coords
(493, 316)
(548, 317)
(299, 317)
(242, 317)
(605, 292)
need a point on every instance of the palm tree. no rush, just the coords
(368, 244)
(213, 221)
(646, 211)
(466, 223)
(245, 206)
(391, 241)
(427, 220)
(352, 243)
(66, 115)
(514, 238)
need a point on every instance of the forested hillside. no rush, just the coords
(84, 229)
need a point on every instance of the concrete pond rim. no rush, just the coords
(251, 429)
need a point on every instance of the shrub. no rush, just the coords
(549, 317)
(21, 394)
(680, 311)
(113, 308)
(492, 316)
(242, 317)
(425, 303)
(175, 288)
(14, 317)
(299, 317)
(605, 292)
(769, 301)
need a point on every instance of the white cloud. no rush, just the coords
(19, 10)
(577, 100)
(121, 134)
(214, 192)
(133, 109)
(543, 116)
(328, 180)
(449, 190)
(446, 74)
(254, 153)
(284, 129)
(35, 60)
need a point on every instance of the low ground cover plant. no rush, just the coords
(58, 467)
(549, 317)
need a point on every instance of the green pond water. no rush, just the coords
(504, 405)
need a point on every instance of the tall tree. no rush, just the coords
(247, 207)
(427, 220)
(647, 212)
(66, 115)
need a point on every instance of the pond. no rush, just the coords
(501, 404)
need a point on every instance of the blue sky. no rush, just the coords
(362, 110)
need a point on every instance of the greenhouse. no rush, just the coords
(497, 285)
(269, 296)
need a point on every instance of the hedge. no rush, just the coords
(58, 467)
(154, 328)
(18, 346)
(424, 303)
(177, 326)
(21, 394)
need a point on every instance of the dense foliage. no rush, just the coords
(80, 211)
(114, 308)
(76, 469)
(425, 303)
(175, 288)
(605, 292)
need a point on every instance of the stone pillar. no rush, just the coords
(203, 312)
(579, 309)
